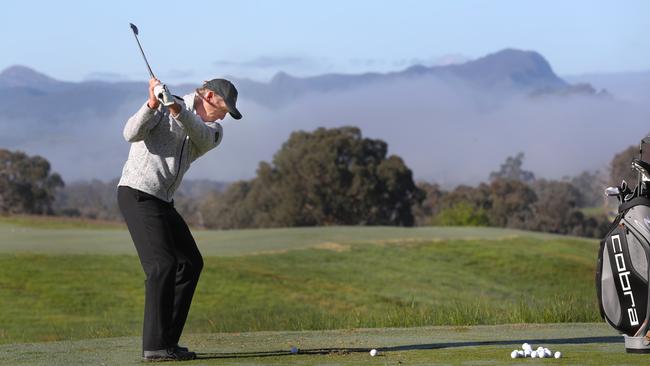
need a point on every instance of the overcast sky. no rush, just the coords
(197, 40)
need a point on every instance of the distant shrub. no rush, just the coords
(462, 214)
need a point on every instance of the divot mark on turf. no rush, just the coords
(336, 247)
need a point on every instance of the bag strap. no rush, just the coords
(633, 202)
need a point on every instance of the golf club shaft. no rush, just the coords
(143, 56)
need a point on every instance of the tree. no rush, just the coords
(430, 205)
(555, 210)
(462, 214)
(591, 186)
(26, 184)
(92, 199)
(502, 203)
(326, 177)
(511, 203)
(620, 168)
(464, 206)
(511, 169)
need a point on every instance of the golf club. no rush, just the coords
(135, 34)
(161, 91)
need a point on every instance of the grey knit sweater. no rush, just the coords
(163, 147)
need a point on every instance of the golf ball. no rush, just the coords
(526, 346)
(514, 354)
(533, 354)
(527, 352)
(294, 350)
(541, 354)
(558, 354)
(373, 352)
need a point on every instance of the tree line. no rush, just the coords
(26, 184)
(335, 177)
(523, 202)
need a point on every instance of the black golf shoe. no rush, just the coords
(171, 354)
(181, 348)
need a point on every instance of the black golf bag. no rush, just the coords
(622, 272)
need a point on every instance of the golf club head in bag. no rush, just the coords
(622, 272)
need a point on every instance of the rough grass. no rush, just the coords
(379, 284)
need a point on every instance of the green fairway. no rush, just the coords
(383, 283)
(75, 284)
(56, 236)
(581, 344)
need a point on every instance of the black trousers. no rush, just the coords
(170, 259)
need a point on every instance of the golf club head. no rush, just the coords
(134, 28)
(642, 167)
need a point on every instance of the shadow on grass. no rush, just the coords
(414, 347)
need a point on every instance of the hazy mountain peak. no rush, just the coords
(23, 76)
(521, 60)
(281, 77)
(519, 68)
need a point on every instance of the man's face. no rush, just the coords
(212, 107)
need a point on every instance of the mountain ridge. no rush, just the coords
(499, 104)
(507, 70)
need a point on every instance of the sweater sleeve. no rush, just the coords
(204, 136)
(139, 125)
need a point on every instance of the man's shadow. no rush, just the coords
(412, 347)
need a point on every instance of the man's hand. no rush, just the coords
(163, 95)
(158, 93)
(153, 101)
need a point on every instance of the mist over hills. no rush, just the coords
(507, 71)
(626, 85)
(452, 124)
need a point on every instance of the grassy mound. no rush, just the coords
(348, 283)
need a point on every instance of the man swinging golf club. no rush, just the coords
(167, 134)
(164, 142)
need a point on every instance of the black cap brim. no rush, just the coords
(233, 111)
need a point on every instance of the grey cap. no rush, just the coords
(227, 91)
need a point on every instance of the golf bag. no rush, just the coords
(622, 272)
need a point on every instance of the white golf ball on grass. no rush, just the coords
(558, 354)
(373, 352)
(514, 354)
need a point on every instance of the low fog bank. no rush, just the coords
(448, 132)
